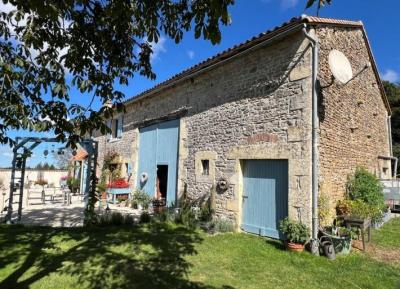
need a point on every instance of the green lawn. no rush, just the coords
(389, 235)
(173, 257)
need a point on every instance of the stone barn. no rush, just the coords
(269, 123)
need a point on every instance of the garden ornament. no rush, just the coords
(222, 185)
(327, 247)
(143, 178)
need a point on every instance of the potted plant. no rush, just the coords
(141, 199)
(73, 184)
(296, 234)
(101, 188)
(340, 237)
(158, 205)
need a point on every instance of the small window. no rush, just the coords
(115, 128)
(205, 164)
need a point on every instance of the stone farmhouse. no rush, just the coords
(269, 124)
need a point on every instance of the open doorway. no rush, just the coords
(162, 181)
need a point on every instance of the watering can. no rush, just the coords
(327, 247)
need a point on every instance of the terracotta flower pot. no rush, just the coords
(294, 247)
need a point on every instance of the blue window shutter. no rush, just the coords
(109, 126)
(120, 126)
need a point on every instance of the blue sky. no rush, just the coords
(249, 18)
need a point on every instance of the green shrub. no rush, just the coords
(140, 197)
(129, 220)
(294, 232)
(223, 225)
(114, 219)
(366, 187)
(358, 209)
(186, 215)
(166, 215)
(145, 217)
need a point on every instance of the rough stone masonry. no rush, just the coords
(258, 106)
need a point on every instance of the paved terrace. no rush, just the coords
(56, 214)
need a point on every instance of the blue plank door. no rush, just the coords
(158, 145)
(265, 196)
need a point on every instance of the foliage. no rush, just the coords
(109, 172)
(140, 197)
(114, 219)
(366, 187)
(45, 166)
(359, 209)
(90, 216)
(324, 211)
(320, 4)
(187, 214)
(207, 206)
(101, 187)
(167, 215)
(223, 225)
(294, 232)
(73, 183)
(96, 44)
(393, 94)
(144, 217)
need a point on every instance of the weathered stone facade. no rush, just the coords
(258, 106)
(353, 117)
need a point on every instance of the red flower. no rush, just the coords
(118, 184)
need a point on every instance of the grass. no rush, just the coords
(389, 235)
(167, 256)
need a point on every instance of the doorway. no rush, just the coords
(162, 181)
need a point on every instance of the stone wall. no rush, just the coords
(353, 117)
(255, 106)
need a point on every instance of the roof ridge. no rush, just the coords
(238, 48)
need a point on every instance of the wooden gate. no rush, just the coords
(265, 196)
(158, 145)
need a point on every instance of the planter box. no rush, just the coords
(342, 245)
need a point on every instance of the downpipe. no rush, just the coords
(315, 52)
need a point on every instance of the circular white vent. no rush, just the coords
(340, 66)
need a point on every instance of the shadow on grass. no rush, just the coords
(141, 257)
(276, 243)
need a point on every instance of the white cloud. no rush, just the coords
(190, 54)
(158, 48)
(287, 4)
(390, 75)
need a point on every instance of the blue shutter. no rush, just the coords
(120, 127)
(265, 196)
(109, 126)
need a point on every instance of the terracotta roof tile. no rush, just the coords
(81, 154)
(236, 49)
(331, 21)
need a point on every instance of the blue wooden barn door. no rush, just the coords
(147, 159)
(265, 196)
(167, 153)
(158, 145)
